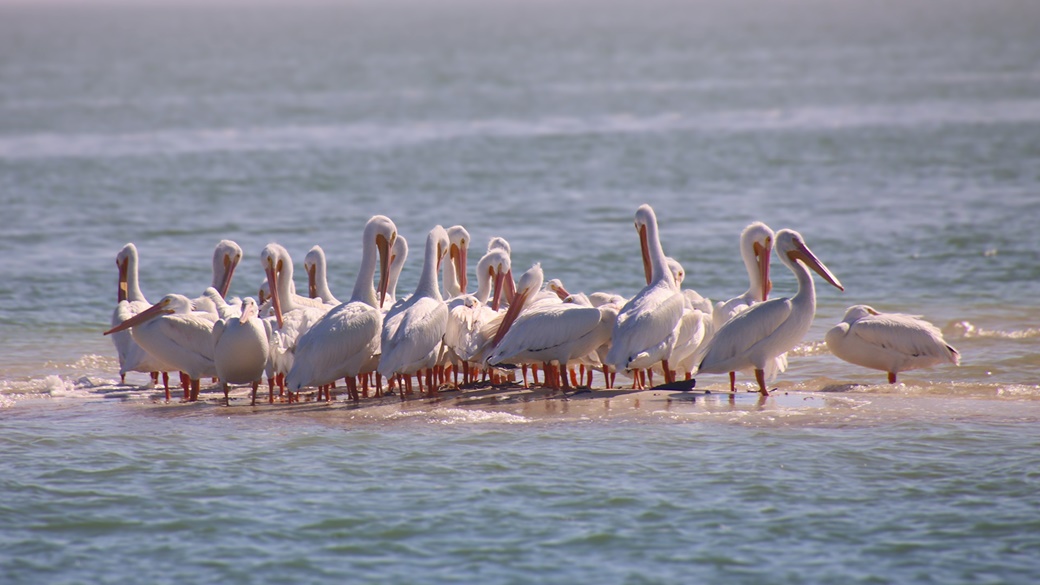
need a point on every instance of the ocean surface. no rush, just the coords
(901, 138)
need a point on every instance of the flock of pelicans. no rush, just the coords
(437, 334)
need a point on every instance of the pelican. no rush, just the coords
(891, 342)
(344, 340)
(756, 244)
(172, 331)
(552, 333)
(293, 314)
(644, 333)
(454, 279)
(694, 329)
(413, 330)
(317, 276)
(464, 335)
(240, 348)
(757, 336)
(129, 302)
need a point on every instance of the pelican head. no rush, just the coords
(756, 243)
(250, 310)
(168, 305)
(530, 283)
(499, 243)
(278, 267)
(438, 238)
(459, 238)
(226, 256)
(381, 231)
(492, 269)
(791, 248)
(857, 312)
(126, 260)
(678, 273)
(314, 260)
(557, 287)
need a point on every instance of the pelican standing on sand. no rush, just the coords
(551, 333)
(129, 302)
(643, 335)
(343, 341)
(756, 244)
(413, 330)
(890, 342)
(293, 314)
(175, 333)
(758, 335)
(240, 348)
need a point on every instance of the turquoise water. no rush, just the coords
(902, 139)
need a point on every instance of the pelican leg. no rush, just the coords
(194, 390)
(606, 376)
(760, 377)
(154, 375)
(891, 377)
(227, 399)
(732, 381)
(256, 386)
(186, 385)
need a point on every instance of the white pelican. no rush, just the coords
(694, 329)
(344, 340)
(468, 315)
(757, 336)
(317, 276)
(550, 333)
(890, 342)
(756, 244)
(413, 330)
(454, 279)
(293, 314)
(129, 302)
(240, 348)
(172, 331)
(644, 333)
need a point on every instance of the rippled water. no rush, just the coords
(902, 139)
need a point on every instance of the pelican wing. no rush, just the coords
(645, 322)
(904, 334)
(410, 335)
(218, 331)
(191, 332)
(546, 328)
(336, 346)
(731, 345)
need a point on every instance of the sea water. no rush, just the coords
(902, 139)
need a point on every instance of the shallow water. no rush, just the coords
(901, 139)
